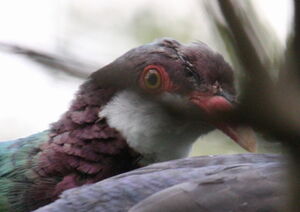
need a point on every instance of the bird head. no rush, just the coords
(166, 95)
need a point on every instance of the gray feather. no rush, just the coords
(248, 181)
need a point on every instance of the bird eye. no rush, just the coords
(152, 79)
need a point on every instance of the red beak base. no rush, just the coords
(211, 105)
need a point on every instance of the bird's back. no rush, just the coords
(17, 158)
(242, 182)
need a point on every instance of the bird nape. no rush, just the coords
(147, 106)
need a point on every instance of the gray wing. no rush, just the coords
(122, 192)
(240, 188)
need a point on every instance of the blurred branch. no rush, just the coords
(247, 53)
(261, 102)
(54, 63)
(290, 72)
(265, 105)
(296, 43)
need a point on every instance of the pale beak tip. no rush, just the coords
(246, 138)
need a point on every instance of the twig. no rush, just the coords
(55, 62)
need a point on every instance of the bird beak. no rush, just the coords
(214, 104)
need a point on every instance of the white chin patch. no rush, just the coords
(147, 128)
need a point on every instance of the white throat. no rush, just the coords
(147, 128)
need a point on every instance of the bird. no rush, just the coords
(239, 182)
(147, 106)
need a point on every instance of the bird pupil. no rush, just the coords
(152, 79)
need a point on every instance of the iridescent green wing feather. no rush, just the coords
(16, 160)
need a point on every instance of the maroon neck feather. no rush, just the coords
(82, 148)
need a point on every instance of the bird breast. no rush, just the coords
(148, 128)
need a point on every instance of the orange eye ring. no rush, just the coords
(154, 78)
